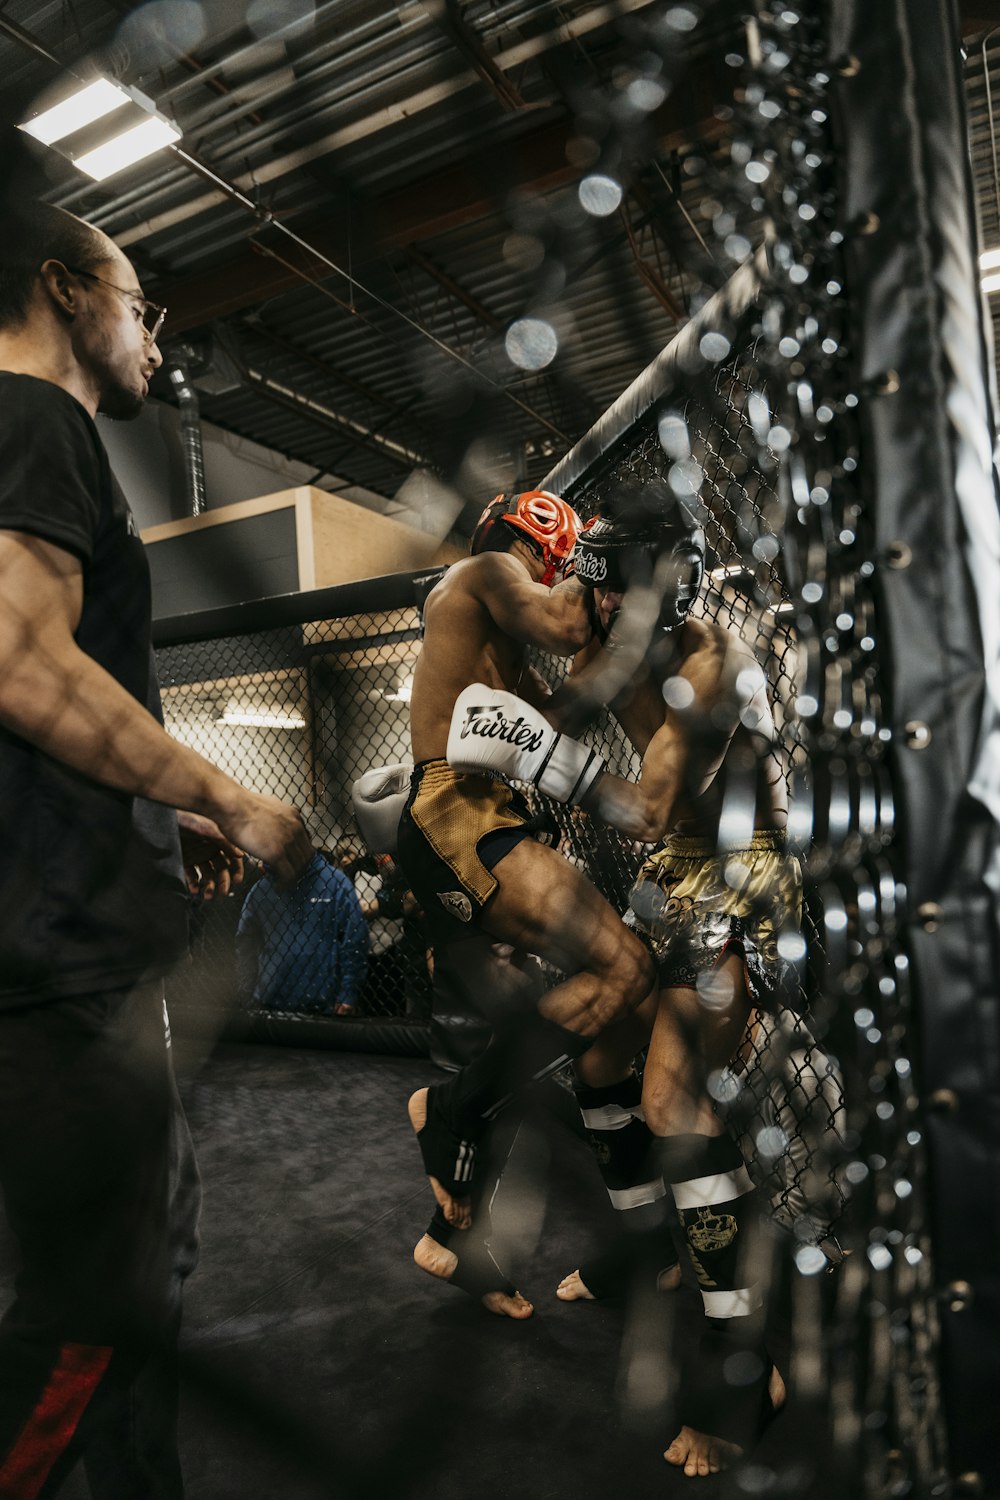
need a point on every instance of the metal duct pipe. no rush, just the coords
(191, 444)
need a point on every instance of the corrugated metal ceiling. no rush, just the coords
(431, 152)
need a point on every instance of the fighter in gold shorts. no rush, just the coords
(475, 858)
(710, 905)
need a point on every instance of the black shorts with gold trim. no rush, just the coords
(692, 906)
(455, 828)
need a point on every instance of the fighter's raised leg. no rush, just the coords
(545, 906)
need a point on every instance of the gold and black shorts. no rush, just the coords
(692, 906)
(455, 828)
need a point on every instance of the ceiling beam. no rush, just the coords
(975, 16)
(459, 195)
(446, 15)
(454, 288)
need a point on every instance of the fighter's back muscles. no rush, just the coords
(477, 622)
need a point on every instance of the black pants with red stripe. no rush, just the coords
(102, 1199)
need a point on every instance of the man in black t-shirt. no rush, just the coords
(99, 1183)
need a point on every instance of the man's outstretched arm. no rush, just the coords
(60, 700)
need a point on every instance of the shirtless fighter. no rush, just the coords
(473, 854)
(710, 903)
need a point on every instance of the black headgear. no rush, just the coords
(664, 548)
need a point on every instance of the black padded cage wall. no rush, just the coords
(929, 485)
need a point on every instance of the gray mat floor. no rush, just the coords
(319, 1363)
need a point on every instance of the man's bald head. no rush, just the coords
(34, 234)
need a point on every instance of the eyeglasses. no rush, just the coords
(151, 313)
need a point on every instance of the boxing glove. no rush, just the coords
(379, 797)
(496, 731)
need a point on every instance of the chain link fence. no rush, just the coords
(300, 712)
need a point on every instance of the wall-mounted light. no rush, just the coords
(252, 718)
(102, 127)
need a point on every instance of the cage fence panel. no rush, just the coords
(299, 713)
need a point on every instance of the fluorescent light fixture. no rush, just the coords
(401, 694)
(103, 127)
(260, 719)
(991, 283)
(90, 103)
(125, 150)
(728, 570)
(990, 260)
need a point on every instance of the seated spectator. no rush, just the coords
(305, 947)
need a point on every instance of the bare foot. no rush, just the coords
(700, 1454)
(457, 1211)
(438, 1260)
(573, 1289)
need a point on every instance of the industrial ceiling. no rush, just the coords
(368, 196)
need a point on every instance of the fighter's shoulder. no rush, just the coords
(454, 582)
(725, 651)
(708, 636)
(468, 585)
(485, 573)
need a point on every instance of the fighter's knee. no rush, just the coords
(656, 1112)
(628, 980)
(636, 973)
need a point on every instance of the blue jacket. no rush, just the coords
(304, 948)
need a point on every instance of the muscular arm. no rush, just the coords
(553, 619)
(713, 689)
(60, 700)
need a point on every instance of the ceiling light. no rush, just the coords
(125, 150)
(989, 260)
(260, 719)
(991, 283)
(103, 127)
(83, 107)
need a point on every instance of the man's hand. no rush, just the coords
(212, 865)
(269, 829)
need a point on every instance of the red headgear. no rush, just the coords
(545, 519)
